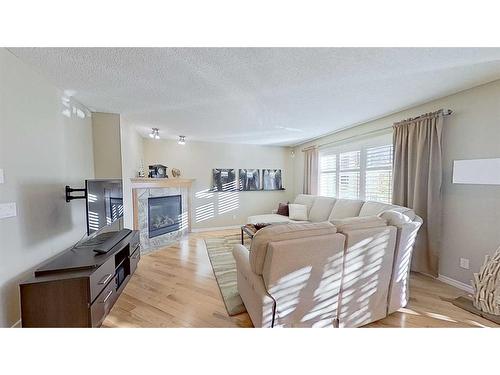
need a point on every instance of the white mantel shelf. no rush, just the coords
(152, 183)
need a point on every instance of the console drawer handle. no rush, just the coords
(136, 256)
(105, 279)
(107, 296)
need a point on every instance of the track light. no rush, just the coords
(182, 140)
(155, 133)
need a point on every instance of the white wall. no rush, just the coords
(197, 159)
(471, 212)
(132, 154)
(107, 145)
(41, 151)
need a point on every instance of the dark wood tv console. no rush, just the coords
(78, 288)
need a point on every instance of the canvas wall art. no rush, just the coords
(249, 179)
(224, 179)
(272, 179)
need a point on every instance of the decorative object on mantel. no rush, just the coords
(272, 179)
(158, 171)
(486, 285)
(141, 172)
(224, 179)
(175, 172)
(182, 140)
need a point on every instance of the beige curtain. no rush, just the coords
(417, 180)
(311, 171)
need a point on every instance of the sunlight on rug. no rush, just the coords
(224, 267)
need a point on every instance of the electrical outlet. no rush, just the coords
(1, 176)
(464, 263)
(8, 210)
(234, 217)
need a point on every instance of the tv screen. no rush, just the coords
(104, 203)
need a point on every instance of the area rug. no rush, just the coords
(224, 266)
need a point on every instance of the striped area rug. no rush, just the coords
(224, 266)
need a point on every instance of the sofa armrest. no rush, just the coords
(303, 276)
(368, 266)
(242, 256)
(399, 293)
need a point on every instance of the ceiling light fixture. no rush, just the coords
(155, 133)
(182, 140)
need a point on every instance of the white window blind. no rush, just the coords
(358, 171)
(378, 174)
(349, 185)
(349, 174)
(328, 175)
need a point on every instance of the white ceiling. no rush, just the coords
(279, 96)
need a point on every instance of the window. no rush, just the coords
(358, 171)
(328, 175)
(378, 174)
(349, 174)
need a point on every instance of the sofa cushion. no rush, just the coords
(267, 218)
(370, 208)
(353, 223)
(344, 208)
(306, 199)
(297, 211)
(321, 209)
(290, 231)
(374, 208)
(395, 218)
(405, 211)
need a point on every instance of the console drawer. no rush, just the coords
(100, 278)
(134, 259)
(103, 304)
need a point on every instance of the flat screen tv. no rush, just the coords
(104, 203)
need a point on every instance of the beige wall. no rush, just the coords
(107, 145)
(197, 159)
(44, 145)
(132, 154)
(471, 212)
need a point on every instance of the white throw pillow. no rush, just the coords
(297, 211)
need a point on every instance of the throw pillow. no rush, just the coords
(297, 211)
(283, 209)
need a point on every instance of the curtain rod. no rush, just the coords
(381, 130)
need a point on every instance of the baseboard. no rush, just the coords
(17, 324)
(198, 230)
(457, 284)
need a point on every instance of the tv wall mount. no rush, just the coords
(70, 197)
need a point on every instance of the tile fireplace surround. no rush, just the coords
(145, 188)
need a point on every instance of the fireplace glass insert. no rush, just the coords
(164, 214)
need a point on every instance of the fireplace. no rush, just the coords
(164, 214)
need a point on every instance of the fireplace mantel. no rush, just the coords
(147, 183)
(153, 183)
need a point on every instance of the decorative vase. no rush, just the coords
(486, 285)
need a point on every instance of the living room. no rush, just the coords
(320, 184)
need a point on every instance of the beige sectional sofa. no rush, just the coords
(346, 266)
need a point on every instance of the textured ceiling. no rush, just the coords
(279, 96)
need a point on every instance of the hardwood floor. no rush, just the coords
(175, 287)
